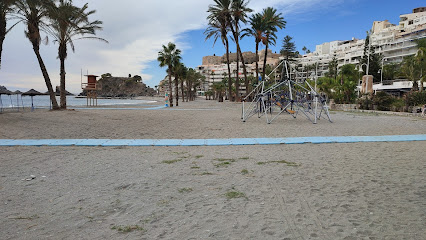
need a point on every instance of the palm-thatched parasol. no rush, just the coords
(32, 93)
(17, 93)
(4, 91)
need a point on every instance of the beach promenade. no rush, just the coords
(363, 190)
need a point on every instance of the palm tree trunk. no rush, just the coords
(2, 34)
(63, 97)
(177, 90)
(46, 78)
(229, 70)
(244, 71)
(170, 87)
(237, 78)
(183, 90)
(257, 61)
(1, 48)
(264, 60)
(187, 90)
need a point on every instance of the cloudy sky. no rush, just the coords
(136, 30)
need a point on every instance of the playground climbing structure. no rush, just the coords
(285, 96)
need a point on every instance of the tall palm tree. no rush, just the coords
(6, 7)
(181, 72)
(70, 23)
(167, 57)
(272, 21)
(34, 13)
(256, 30)
(420, 58)
(193, 80)
(219, 27)
(178, 71)
(411, 70)
(239, 10)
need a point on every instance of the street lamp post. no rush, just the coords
(368, 62)
(381, 72)
(360, 71)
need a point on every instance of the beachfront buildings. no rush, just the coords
(393, 41)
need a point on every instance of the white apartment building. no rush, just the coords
(392, 41)
(217, 72)
(214, 70)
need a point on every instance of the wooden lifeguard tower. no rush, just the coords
(91, 87)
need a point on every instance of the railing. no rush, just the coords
(390, 82)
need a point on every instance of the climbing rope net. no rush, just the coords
(285, 96)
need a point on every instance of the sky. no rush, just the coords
(137, 29)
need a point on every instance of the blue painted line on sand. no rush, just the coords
(209, 142)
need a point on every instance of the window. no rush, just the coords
(410, 22)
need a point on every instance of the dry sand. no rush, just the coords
(310, 191)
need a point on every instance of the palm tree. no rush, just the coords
(34, 13)
(219, 89)
(256, 30)
(183, 70)
(167, 57)
(69, 22)
(420, 58)
(193, 80)
(179, 73)
(6, 7)
(238, 13)
(411, 70)
(272, 22)
(219, 26)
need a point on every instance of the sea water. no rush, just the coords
(43, 101)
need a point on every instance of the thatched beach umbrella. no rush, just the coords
(32, 93)
(4, 91)
(17, 92)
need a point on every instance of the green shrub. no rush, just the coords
(398, 105)
(365, 102)
(415, 98)
(383, 101)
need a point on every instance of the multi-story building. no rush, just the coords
(215, 69)
(392, 41)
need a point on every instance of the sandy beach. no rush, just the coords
(304, 191)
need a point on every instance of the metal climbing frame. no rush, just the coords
(285, 96)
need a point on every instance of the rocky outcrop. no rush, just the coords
(212, 60)
(122, 87)
(249, 57)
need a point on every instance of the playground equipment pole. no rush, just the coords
(316, 93)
